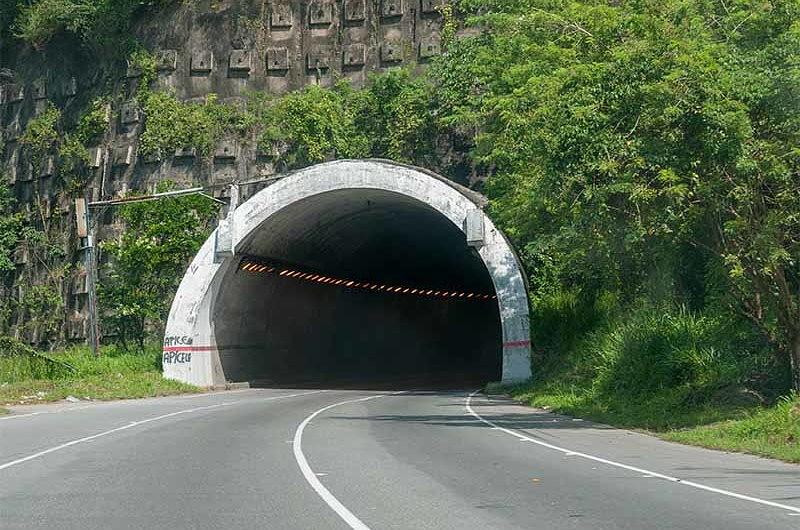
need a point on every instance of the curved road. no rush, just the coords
(302, 459)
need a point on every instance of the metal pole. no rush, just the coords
(89, 256)
(94, 329)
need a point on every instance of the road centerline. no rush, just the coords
(312, 477)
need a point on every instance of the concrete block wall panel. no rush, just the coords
(208, 34)
(350, 35)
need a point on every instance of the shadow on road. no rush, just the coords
(453, 417)
(426, 382)
(534, 420)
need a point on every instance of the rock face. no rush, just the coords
(225, 47)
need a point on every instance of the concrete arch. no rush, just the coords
(191, 343)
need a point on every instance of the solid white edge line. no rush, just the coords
(137, 423)
(15, 416)
(626, 466)
(214, 393)
(311, 477)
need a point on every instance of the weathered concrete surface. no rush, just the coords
(191, 347)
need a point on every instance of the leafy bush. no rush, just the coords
(73, 152)
(311, 125)
(40, 21)
(396, 114)
(102, 24)
(41, 133)
(391, 118)
(175, 124)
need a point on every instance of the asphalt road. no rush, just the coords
(304, 459)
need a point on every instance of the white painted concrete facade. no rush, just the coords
(190, 348)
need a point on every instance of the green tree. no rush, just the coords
(171, 123)
(148, 261)
(10, 233)
(312, 125)
(395, 112)
(619, 136)
(10, 229)
(73, 152)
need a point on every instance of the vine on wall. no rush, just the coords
(392, 117)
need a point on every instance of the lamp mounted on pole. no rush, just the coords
(86, 232)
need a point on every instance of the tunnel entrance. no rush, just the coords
(408, 301)
(354, 272)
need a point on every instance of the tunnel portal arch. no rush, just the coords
(193, 349)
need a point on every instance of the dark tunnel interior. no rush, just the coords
(272, 329)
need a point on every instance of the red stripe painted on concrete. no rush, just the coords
(189, 348)
(512, 344)
(516, 344)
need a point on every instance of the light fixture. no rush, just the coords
(258, 266)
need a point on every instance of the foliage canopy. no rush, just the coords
(641, 143)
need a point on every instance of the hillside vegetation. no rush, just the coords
(644, 156)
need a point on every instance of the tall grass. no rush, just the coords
(28, 376)
(773, 432)
(19, 362)
(114, 360)
(642, 365)
(659, 350)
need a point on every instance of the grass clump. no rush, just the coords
(772, 432)
(27, 376)
(311, 125)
